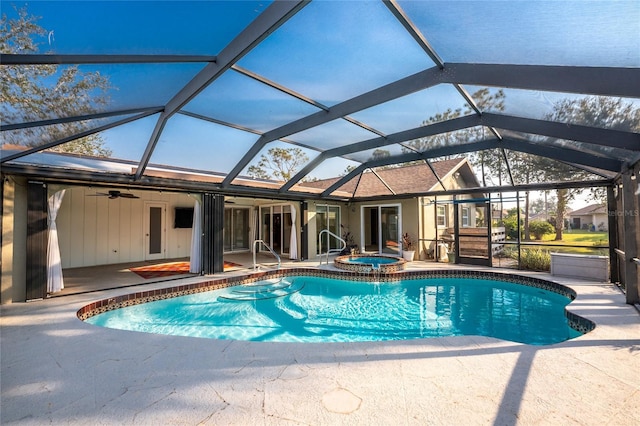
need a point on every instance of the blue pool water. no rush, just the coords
(316, 309)
(376, 261)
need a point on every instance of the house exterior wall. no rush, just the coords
(95, 230)
(411, 222)
(427, 231)
(350, 216)
(599, 220)
(14, 240)
(310, 220)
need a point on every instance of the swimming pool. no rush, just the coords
(307, 308)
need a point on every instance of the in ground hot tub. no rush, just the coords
(369, 262)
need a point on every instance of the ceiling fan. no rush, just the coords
(113, 194)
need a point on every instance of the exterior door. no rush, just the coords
(473, 233)
(275, 227)
(380, 230)
(155, 221)
(327, 218)
(236, 229)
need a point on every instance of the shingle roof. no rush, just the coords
(590, 209)
(402, 180)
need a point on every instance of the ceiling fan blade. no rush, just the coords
(113, 194)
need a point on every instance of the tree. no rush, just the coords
(439, 140)
(34, 92)
(524, 171)
(594, 111)
(491, 163)
(379, 154)
(348, 170)
(278, 164)
(543, 204)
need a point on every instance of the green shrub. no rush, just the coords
(510, 227)
(535, 259)
(509, 251)
(540, 227)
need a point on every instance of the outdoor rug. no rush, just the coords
(169, 269)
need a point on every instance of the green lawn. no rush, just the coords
(537, 257)
(584, 239)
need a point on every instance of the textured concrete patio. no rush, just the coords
(59, 370)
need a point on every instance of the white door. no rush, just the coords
(155, 226)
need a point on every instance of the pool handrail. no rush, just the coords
(330, 251)
(255, 243)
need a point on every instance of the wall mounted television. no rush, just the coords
(183, 217)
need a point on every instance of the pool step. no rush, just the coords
(261, 288)
(263, 291)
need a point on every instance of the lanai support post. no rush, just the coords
(612, 225)
(630, 210)
(213, 228)
(304, 230)
(456, 230)
(37, 233)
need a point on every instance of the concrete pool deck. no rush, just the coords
(56, 369)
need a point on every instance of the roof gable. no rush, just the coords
(411, 179)
(590, 209)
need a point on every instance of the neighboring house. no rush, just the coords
(593, 217)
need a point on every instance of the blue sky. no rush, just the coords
(141, 27)
(560, 32)
(330, 51)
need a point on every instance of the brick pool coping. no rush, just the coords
(344, 263)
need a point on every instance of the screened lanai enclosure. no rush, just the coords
(298, 103)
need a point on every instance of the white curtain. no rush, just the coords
(55, 281)
(253, 214)
(293, 242)
(195, 260)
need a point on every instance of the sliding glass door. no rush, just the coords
(236, 229)
(327, 218)
(275, 227)
(381, 230)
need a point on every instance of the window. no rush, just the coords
(465, 217)
(441, 216)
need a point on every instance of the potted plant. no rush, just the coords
(451, 253)
(347, 236)
(407, 247)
